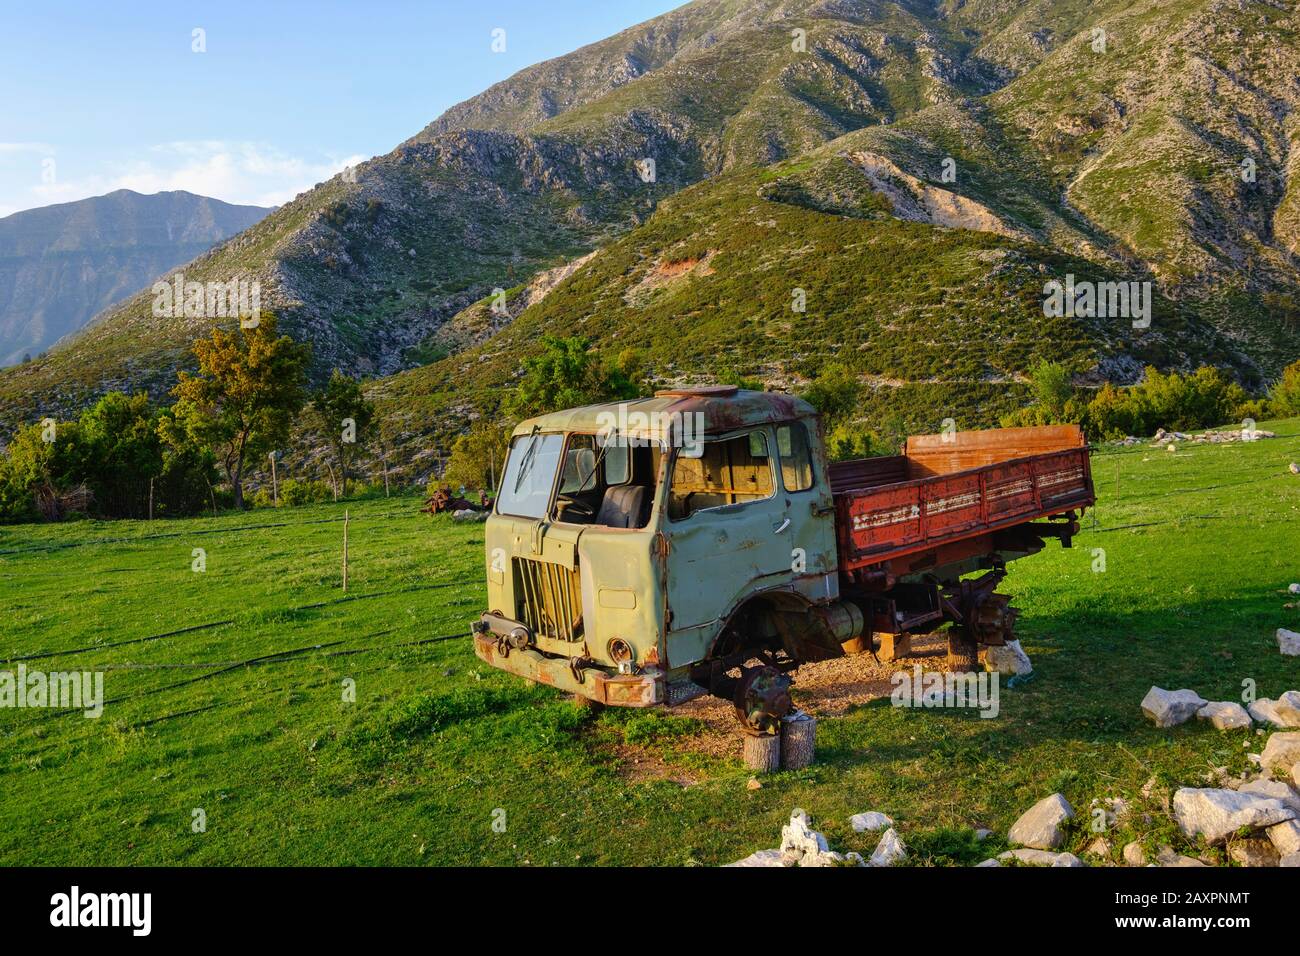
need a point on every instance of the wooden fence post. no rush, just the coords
(345, 551)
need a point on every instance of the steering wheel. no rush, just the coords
(577, 507)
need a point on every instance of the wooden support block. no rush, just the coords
(762, 752)
(798, 740)
(895, 646)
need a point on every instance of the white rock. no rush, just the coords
(1168, 857)
(889, 850)
(983, 834)
(1134, 855)
(1288, 642)
(1295, 775)
(1169, 708)
(1288, 705)
(1099, 847)
(869, 822)
(1292, 860)
(1040, 825)
(1008, 658)
(1217, 814)
(1041, 857)
(761, 858)
(801, 845)
(1293, 588)
(1254, 852)
(1225, 715)
(1277, 789)
(1282, 751)
(1271, 712)
(1285, 837)
(987, 863)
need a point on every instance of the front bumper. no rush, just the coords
(645, 689)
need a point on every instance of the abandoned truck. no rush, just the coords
(649, 552)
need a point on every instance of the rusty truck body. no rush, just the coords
(645, 553)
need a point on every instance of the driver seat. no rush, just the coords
(622, 506)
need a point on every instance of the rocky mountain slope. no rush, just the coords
(62, 264)
(920, 169)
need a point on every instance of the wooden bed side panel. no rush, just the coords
(960, 451)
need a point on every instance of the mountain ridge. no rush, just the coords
(62, 265)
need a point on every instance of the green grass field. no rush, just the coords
(225, 693)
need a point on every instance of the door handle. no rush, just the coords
(782, 526)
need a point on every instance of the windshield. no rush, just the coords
(530, 472)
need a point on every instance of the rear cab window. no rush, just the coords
(727, 472)
(793, 449)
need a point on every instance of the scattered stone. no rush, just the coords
(869, 822)
(801, 845)
(1268, 711)
(1292, 859)
(1217, 814)
(1168, 857)
(1134, 855)
(1293, 588)
(1277, 789)
(1169, 708)
(1041, 857)
(1294, 468)
(1040, 825)
(1295, 775)
(989, 862)
(1288, 642)
(761, 858)
(1225, 715)
(983, 834)
(754, 784)
(469, 514)
(1282, 752)
(1254, 852)
(1099, 847)
(1009, 658)
(1285, 837)
(889, 850)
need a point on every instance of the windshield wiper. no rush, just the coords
(526, 463)
(594, 466)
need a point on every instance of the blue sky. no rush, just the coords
(106, 95)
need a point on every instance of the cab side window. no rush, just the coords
(796, 456)
(729, 472)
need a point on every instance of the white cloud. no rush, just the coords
(9, 149)
(234, 171)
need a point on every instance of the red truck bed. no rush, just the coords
(944, 488)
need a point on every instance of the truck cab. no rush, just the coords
(625, 537)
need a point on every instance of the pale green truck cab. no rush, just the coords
(627, 540)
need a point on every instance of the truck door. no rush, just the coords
(728, 528)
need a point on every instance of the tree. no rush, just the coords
(565, 375)
(836, 393)
(242, 401)
(1050, 384)
(477, 456)
(343, 416)
(1284, 397)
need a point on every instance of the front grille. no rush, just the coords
(548, 599)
